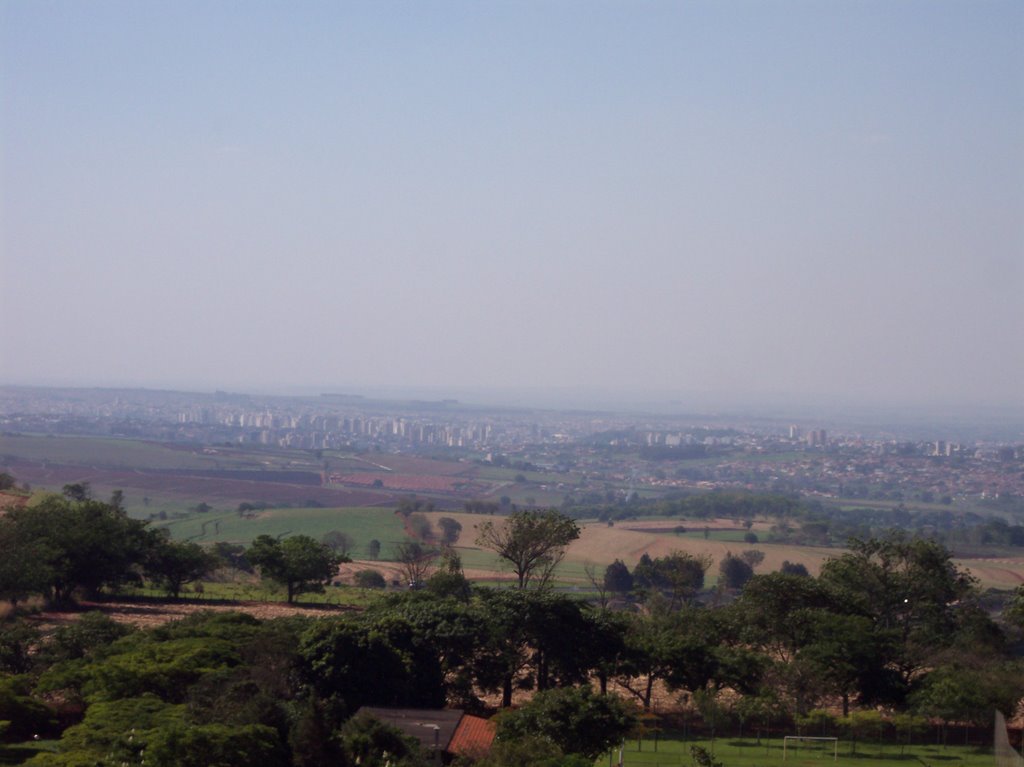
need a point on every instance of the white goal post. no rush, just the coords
(787, 738)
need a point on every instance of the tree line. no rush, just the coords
(228, 689)
(891, 625)
(73, 544)
(808, 521)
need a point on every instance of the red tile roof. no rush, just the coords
(472, 737)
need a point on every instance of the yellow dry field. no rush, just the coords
(601, 544)
(1002, 573)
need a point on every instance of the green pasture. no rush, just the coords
(570, 573)
(363, 524)
(573, 572)
(519, 494)
(106, 452)
(477, 559)
(729, 536)
(509, 475)
(115, 453)
(135, 503)
(748, 752)
(139, 504)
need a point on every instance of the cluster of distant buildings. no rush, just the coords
(812, 437)
(324, 431)
(601, 446)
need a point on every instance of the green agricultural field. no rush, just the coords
(108, 452)
(113, 453)
(139, 504)
(478, 559)
(570, 573)
(172, 506)
(509, 475)
(731, 536)
(673, 751)
(363, 524)
(525, 496)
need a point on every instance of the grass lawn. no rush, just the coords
(479, 559)
(112, 452)
(362, 523)
(769, 753)
(509, 475)
(732, 536)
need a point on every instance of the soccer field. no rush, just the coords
(671, 751)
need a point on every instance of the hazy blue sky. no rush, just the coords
(750, 199)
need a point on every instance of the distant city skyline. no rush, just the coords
(738, 204)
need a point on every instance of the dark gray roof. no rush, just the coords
(420, 723)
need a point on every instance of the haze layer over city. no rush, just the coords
(686, 206)
(512, 384)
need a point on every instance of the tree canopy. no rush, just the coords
(176, 563)
(73, 543)
(575, 719)
(892, 624)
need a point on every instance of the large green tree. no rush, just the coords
(676, 647)
(215, 683)
(449, 631)
(734, 572)
(846, 657)
(299, 563)
(348, 665)
(536, 639)
(969, 692)
(175, 563)
(575, 719)
(24, 568)
(450, 530)
(911, 590)
(368, 742)
(202, 745)
(679, 574)
(772, 613)
(82, 544)
(618, 578)
(532, 542)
